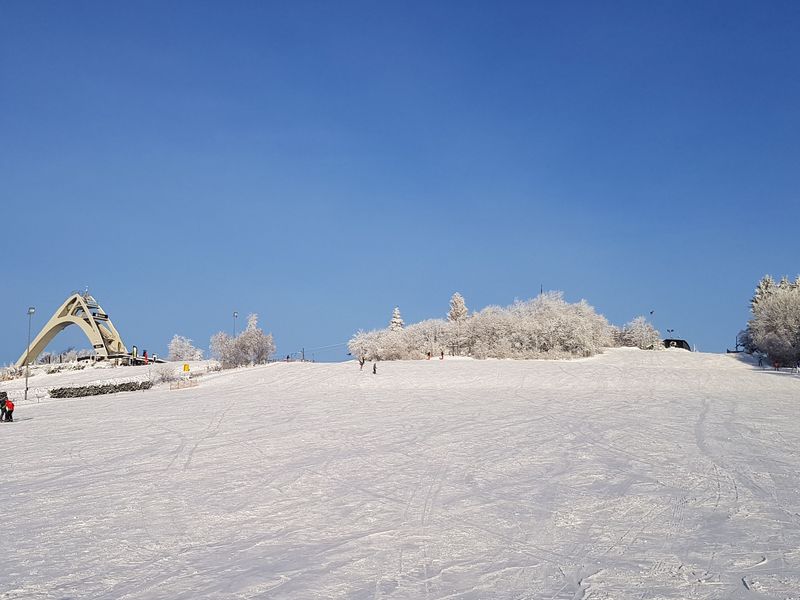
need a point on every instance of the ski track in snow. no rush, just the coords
(645, 475)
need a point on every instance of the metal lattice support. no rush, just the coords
(84, 311)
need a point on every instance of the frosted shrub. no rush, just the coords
(164, 373)
(9, 373)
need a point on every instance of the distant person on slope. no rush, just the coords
(374, 368)
(3, 400)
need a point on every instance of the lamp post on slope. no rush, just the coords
(31, 310)
(235, 315)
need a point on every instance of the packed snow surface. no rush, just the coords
(633, 474)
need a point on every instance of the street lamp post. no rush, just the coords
(235, 315)
(31, 310)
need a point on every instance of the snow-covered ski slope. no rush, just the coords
(645, 475)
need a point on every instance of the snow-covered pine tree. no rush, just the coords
(764, 288)
(396, 324)
(458, 308)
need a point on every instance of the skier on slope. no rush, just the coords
(3, 400)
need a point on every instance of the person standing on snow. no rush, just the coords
(3, 400)
(8, 411)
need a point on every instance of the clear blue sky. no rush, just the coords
(321, 162)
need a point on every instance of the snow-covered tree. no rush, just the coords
(251, 347)
(181, 348)
(396, 324)
(458, 309)
(764, 288)
(426, 336)
(775, 326)
(745, 339)
(640, 333)
(255, 346)
(457, 317)
(223, 348)
(362, 346)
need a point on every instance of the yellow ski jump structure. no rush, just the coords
(84, 311)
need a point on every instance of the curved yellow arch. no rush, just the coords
(84, 311)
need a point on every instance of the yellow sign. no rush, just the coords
(185, 367)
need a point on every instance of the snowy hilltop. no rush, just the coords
(630, 474)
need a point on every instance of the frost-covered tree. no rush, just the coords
(360, 346)
(775, 326)
(458, 309)
(616, 337)
(457, 316)
(255, 346)
(181, 348)
(745, 339)
(764, 288)
(426, 336)
(251, 347)
(640, 333)
(383, 344)
(223, 348)
(396, 324)
(364, 346)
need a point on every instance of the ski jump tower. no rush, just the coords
(84, 311)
